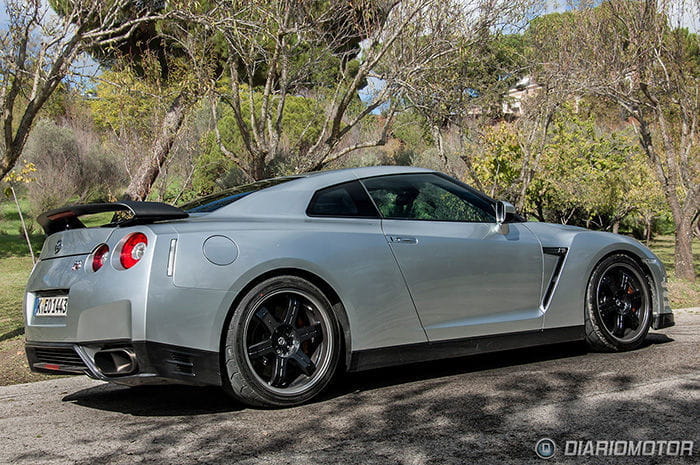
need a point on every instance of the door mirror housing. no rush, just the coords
(503, 209)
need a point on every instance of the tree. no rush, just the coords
(630, 53)
(278, 54)
(174, 58)
(467, 88)
(38, 50)
(498, 163)
(589, 176)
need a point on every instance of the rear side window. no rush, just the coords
(213, 202)
(344, 200)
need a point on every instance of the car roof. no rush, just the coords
(349, 174)
(291, 198)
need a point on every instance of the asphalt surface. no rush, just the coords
(485, 409)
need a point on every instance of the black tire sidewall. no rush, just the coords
(246, 385)
(598, 335)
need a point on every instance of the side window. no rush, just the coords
(427, 197)
(344, 200)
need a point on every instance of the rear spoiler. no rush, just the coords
(65, 218)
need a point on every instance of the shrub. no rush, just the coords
(69, 168)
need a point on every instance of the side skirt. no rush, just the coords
(428, 351)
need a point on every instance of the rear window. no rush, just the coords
(344, 200)
(226, 197)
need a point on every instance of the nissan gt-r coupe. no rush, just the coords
(271, 288)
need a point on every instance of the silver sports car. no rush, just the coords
(271, 288)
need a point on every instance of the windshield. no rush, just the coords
(215, 201)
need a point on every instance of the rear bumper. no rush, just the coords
(155, 363)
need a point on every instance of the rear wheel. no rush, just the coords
(618, 305)
(282, 344)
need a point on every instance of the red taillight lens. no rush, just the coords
(133, 249)
(99, 256)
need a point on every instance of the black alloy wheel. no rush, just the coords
(282, 345)
(285, 340)
(619, 305)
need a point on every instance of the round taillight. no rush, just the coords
(99, 256)
(133, 249)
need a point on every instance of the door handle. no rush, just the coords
(402, 239)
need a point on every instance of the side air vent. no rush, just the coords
(182, 363)
(556, 256)
(56, 359)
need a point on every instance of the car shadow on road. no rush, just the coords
(157, 400)
(392, 376)
(178, 400)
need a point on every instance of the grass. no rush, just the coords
(14, 271)
(12, 243)
(681, 293)
(16, 265)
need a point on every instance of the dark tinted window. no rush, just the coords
(226, 197)
(427, 197)
(344, 200)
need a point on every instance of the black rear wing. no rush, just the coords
(65, 218)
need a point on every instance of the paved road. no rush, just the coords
(486, 409)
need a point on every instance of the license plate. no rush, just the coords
(51, 306)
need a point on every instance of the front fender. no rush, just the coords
(585, 250)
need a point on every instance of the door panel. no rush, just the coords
(468, 279)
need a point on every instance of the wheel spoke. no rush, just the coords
(260, 349)
(636, 300)
(606, 307)
(266, 317)
(608, 285)
(290, 316)
(303, 362)
(624, 282)
(633, 321)
(279, 372)
(610, 320)
(619, 326)
(309, 332)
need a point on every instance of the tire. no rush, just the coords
(282, 344)
(618, 305)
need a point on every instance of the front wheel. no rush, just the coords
(618, 305)
(282, 344)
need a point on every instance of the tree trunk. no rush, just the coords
(647, 231)
(683, 256)
(149, 170)
(440, 145)
(523, 180)
(540, 212)
(8, 160)
(616, 227)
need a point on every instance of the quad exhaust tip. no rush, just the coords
(116, 362)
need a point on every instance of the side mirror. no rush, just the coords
(503, 209)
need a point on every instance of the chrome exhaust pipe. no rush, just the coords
(116, 362)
